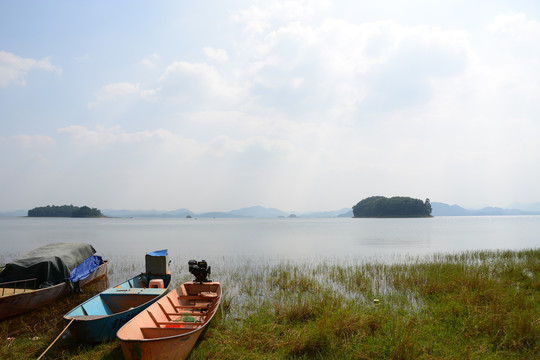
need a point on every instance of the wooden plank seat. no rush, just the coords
(190, 323)
(192, 313)
(202, 307)
(198, 307)
(196, 297)
(170, 322)
(180, 313)
(157, 332)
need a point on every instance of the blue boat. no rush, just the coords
(99, 318)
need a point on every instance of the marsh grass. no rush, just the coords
(470, 305)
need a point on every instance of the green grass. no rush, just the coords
(471, 305)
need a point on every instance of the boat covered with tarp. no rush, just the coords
(46, 273)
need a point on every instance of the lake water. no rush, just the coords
(230, 242)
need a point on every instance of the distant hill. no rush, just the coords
(442, 209)
(328, 214)
(248, 212)
(258, 212)
(179, 213)
(14, 213)
(527, 207)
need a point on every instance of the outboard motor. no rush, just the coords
(200, 270)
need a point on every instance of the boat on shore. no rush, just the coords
(169, 328)
(46, 274)
(100, 317)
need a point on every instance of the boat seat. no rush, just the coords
(156, 283)
(192, 313)
(158, 332)
(195, 307)
(196, 297)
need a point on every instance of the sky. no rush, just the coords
(298, 105)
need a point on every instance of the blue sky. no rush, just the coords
(298, 105)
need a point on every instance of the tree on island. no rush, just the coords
(398, 206)
(64, 211)
(85, 211)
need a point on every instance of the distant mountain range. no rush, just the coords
(249, 212)
(438, 209)
(442, 209)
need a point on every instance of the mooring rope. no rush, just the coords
(58, 337)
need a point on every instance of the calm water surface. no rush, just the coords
(274, 238)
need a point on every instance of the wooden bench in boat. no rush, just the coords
(174, 323)
(192, 312)
(18, 287)
(194, 308)
(159, 332)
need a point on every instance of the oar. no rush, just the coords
(58, 337)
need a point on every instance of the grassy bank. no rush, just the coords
(473, 305)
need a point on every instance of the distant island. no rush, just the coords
(65, 211)
(398, 206)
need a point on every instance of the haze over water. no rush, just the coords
(281, 238)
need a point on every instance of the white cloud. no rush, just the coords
(218, 55)
(151, 61)
(338, 68)
(14, 69)
(199, 85)
(34, 141)
(113, 91)
(516, 26)
(260, 17)
(103, 139)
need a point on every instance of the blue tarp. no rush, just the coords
(158, 253)
(85, 268)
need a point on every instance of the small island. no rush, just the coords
(395, 207)
(65, 211)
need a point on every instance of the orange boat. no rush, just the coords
(170, 327)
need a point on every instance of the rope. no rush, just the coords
(58, 337)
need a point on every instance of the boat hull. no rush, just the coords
(175, 348)
(23, 302)
(99, 318)
(160, 332)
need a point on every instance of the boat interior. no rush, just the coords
(129, 294)
(181, 311)
(113, 301)
(17, 287)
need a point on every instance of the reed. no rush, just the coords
(474, 305)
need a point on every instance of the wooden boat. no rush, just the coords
(169, 328)
(39, 278)
(99, 318)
